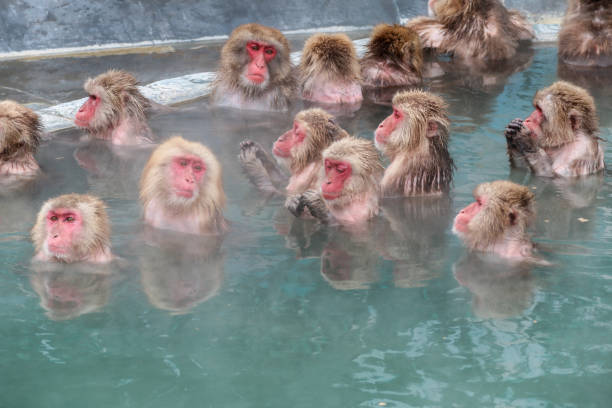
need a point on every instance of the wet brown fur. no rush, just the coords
(478, 30)
(234, 58)
(95, 235)
(20, 131)
(425, 166)
(586, 33)
(396, 47)
(120, 97)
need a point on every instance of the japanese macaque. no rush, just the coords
(349, 190)
(20, 136)
(560, 137)
(181, 188)
(329, 71)
(497, 221)
(115, 109)
(298, 149)
(72, 228)
(415, 138)
(586, 33)
(255, 71)
(394, 57)
(482, 32)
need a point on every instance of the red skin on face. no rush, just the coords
(187, 172)
(87, 111)
(465, 216)
(260, 54)
(534, 121)
(291, 138)
(336, 174)
(63, 227)
(388, 125)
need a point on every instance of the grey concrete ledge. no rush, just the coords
(174, 91)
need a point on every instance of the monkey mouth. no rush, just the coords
(330, 196)
(184, 193)
(278, 152)
(256, 78)
(57, 249)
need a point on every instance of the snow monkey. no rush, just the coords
(20, 136)
(482, 32)
(298, 149)
(394, 57)
(560, 137)
(349, 189)
(415, 138)
(329, 71)
(72, 228)
(255, 71)
(181, 188)
(115, 109)
(498, 220)
(586, 33)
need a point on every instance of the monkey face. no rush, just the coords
(87, 111)
(256, 73)
(64, 228)
(383, 133)
(284, 145)
(337, 172)
(462, 220)
(186, 176)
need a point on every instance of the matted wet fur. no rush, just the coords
(20, 131)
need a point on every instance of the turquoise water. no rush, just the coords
(285, 313)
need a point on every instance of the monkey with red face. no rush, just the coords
(115, 109)
(255, 71)
(72, 228)
(181, 189)
(497, 221)
(349, 191)
(560, 137)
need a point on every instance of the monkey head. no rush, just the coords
(257, 55)
(419, 119)
(501, 208)
(182, 174)
(449, 8)
(20, 131)
(71, 227)
(313, 130)
(113, 96)
(561, 110)
(351, 168)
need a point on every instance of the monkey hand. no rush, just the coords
(312, 200)
(513, 129)
(295, 205)
(253, 160)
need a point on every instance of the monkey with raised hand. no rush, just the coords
(497, 221)
(329, 71)
(72, 228)
(415, 138)
(481, 32)
(20, 136)
(181, 189)
(255, 70)
(115, 109)
(560, 137)
(586, 33)
(393, 58)
(349, 192)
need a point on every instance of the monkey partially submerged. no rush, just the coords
(255, 71)
(115, 109)
(560, 137)
(20, 136)
(415, 138)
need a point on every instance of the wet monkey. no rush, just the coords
(115, 109)
(586, 33)
(181, 188)
(394, 57)
(498, 220)
(560, 137)
(349, 190)
(483, 32)
(329, 71)
(415, 138)
(20, 136)
(298, 150)
(255, 70)
(72, 228)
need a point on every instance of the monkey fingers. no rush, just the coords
(295, 205)
(513, 128)
(524, 143)
(254, 168)
(312, 200)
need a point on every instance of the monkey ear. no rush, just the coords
(512, 217)
(574, 118)
(432, 129)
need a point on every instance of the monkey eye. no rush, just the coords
(53, 218)
(269, 51)
(69, 219)
(93, 97)
(183, 163)
(197, 167)
(340, 169)
(255, 47)
(396, 114)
